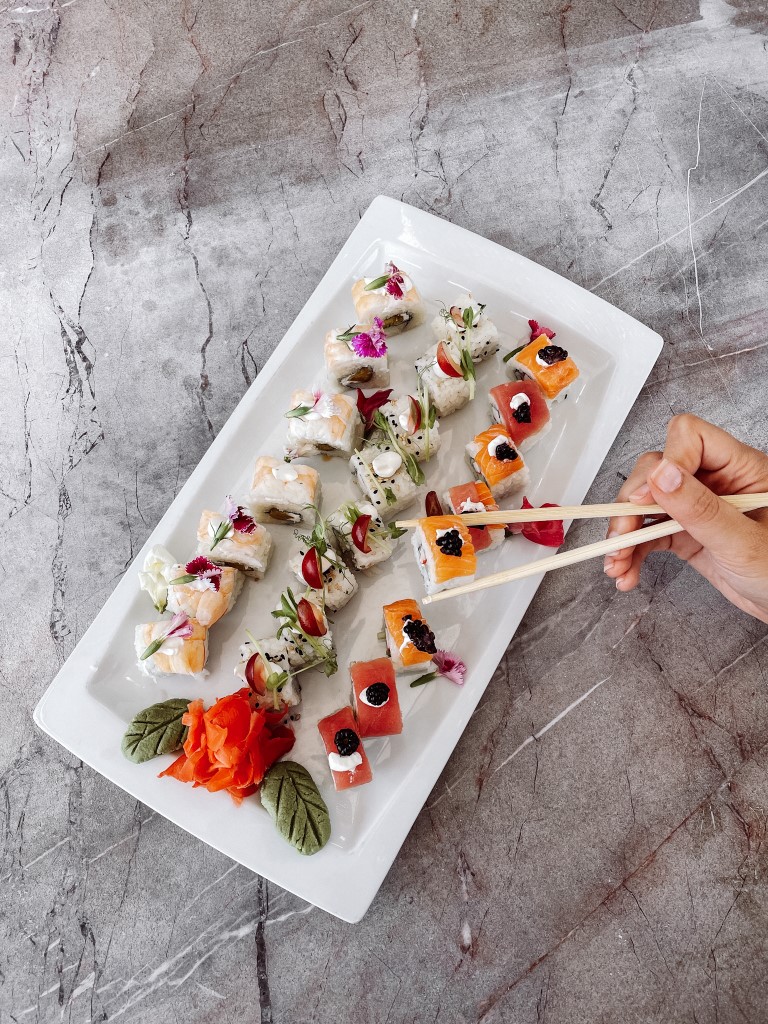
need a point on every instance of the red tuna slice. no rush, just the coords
(338, 732)
(531, 416)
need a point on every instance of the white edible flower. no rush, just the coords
(156, 574)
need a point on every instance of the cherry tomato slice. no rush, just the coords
(311, 571)
(309, 620)
(415, 417)
(432, 504)
(360, 534)
(254, 674)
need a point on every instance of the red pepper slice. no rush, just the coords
(550, 533)
(359, 534)
(432, 504)
(446, 364)
(311, 570)
(309, 620)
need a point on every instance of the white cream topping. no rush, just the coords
(471, 506)
(386, 464)
(519, 399)
(172, 646)
(494, 444)
(337, 763)
(442, 533)
(364, 700)
(284, 473)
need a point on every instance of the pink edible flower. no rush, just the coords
(537, 330)
(179, 626)
(205, 570)
(237, 515)
(394, 285)
(371, 344)
(450, 666)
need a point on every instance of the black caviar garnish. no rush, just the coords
(377, 694)
(551, 354)
(420, 635)
(347, 741)
(522, 414)
(450, 543)
(505, 452)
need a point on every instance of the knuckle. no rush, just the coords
(682, 423)
(705, 507)
(648, 459)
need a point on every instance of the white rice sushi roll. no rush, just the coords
(405, 416)
(322, 424)
(358, 526)
(177, 646)
(236, 539)
(304, 649)
(339, 582)
(392, 297)
(283, 494)
(253, 671)
(444, 553)
(203, 590)
(302, 653)
(357, 357)
(468, 323)
(381, 475)
(448, 392)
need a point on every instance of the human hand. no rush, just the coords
(727, 547)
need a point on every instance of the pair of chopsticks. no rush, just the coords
(666, 528)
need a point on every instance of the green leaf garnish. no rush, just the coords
(468, 315)
(223, 530)
(298, 411)
(389, 496)
(432, 416)
(349, 333)
(156, 730)
(294, 804)
(153, 648)
(514, 352)
(188, 577)
(424, 679)
(377, 282)
(412, 468)
(395, 531)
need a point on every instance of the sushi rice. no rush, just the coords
(447, 394)
(185, 656)
(380, 541)
(482, 338)
(340, 582)
(348, 369)
(423, 443)
(330, 426)
(389, 493)
(283, 494)
(249, 552)
(275, 650)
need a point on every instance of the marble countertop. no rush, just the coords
(176, 177)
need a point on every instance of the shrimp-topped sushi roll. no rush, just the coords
(234, 538)
(410, 641)
(357, 357)
(412, 423)
(444, 552)
(326, 573)
(391, 297)
(494, 457)
(203, 590)
(307, 635)
(475, 497)
(548, 364)
(374, 697)
(382, 476)
(361, 534)
(321, 424)
(440, 372)
(346, 757)
(177, 646)
(467, 322)
(264, 666)
(522, 408)
(283, 494)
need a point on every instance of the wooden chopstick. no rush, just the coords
(743, 502)
(601, 547)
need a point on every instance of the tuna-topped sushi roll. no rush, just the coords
(549, 365)
(203, 590)
(282, 493)
(346, 756)
(362, 535)
(375, 700)
(307, 635)
(236, 539)
(392, 297)
(475, 497)
(321, 424)
(444, 552)
(448, 386)
(412, 424)
(410, 641)
(493, 456)
(265, 667)
(522, 409)
(467, 322)
(357, 357)
(382, 476)
(177, 646)
(326, 573)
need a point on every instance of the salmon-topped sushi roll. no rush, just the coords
(410, 641)
(235, 538)
(375, 699)
(357, 357)
(321, 424)
(203, 590)
(476, 497)
(467, 322)
(346, 756)
(283, 494)
(392, 297)
(548, 364)
(444, 552)
(177, 646)
(264, 666)
(493, 456)
(522, 408)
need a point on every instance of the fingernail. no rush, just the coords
(608, 563)
(667, 476)
(620, 580)
(613, 532)
(640, 496)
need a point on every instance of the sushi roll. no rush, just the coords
(375, 700)
(475, 497)
(444, 382)
(467, 322)
(346, 757)
(444, 552)
(235, 539)
(306, 633)
(357, 357)
(361, 534)
(204, 591)
(549, 365)
(282, 493)
(410, 641)
(322, 425)
(260, 660)
(392, 297)
(493, 456)
(522, 409)
(177, 646)
(338, 582)
(411, 428)
(381, 475)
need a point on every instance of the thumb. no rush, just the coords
(712, 522)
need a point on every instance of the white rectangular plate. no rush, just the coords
(99, 689)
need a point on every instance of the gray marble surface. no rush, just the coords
(175, 179)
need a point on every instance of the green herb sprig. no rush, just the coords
(376, 283)
(413, 469)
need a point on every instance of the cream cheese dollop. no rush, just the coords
(284, 473)
(496, 442)
(386, 464)
(519, 399)
(339, 763)
(364, 700)
(471, 506)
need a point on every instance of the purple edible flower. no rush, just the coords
(371, 344)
